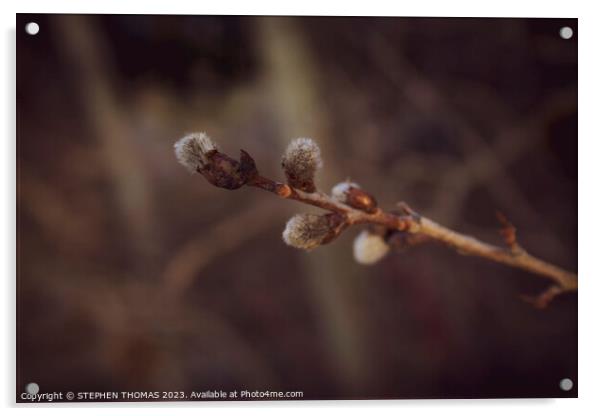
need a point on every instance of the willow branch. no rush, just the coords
(200, 154)
(564, 281)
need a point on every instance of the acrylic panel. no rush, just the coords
(401, 222)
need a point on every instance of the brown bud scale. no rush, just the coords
(225, 172)
(360, 199)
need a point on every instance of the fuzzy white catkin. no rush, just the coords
(303, 151)
(301, 159)
(369, 248)
(191, 150)
(305, 231)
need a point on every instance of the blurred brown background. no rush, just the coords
(134, 275)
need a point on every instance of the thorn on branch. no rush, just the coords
(508, 232)
(407, 210)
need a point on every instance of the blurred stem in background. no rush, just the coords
(87, 54)
(291, 78)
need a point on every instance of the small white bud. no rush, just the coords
(306, 231)
(340, 190)
(300, 161)
(351, 194)
(191, 150)
(369, 248)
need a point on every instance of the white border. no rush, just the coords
(510, 8)
(590, 207)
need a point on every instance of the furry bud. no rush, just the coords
(349, 193)
(369, 248)
(307, 231)
(192, 150)
(300, 162)
(198, 153)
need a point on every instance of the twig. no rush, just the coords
(349, 205)
(421, 225)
